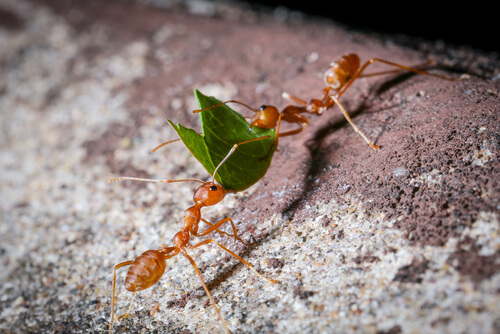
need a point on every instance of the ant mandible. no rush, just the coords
(339, 77)
(148, 268)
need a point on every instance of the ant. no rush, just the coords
(339, 77)
(148, 268)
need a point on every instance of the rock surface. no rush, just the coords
(403, 240)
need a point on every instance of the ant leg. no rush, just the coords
(126, 314)
(402, 67)
(190, 259)
(293, 132)
(373, 74)
(218, 224)
(113, 300)
(292, 114)
(274, 145)
(169, 252)
(221, 233)
(356, 129)
(314, 106)
(295, 99)
(204, 242)
(276, 136)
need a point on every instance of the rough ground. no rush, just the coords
(404, 240)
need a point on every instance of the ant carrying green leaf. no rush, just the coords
(148, 268)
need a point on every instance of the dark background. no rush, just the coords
(471, 24)
(474, 24)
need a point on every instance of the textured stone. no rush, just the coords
(397, 241)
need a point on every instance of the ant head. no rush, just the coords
(209, 193)
(266, 117)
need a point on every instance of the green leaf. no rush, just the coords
(223, 127)
(196, 145)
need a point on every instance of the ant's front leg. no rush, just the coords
(314, 106)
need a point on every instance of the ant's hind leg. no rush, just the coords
(401, 67)
(126, 314)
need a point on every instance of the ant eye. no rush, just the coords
(263, 107)
(213, 188)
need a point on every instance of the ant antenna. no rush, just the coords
(165, 143)
(169, 142)
(223, 103)
(151, 180)
(233, 149)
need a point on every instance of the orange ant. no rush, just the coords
(148, 268)
(339, 77)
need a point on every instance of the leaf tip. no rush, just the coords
(198, 94)
(173, 125)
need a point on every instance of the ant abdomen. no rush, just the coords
(146, 270)
(341, 71)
